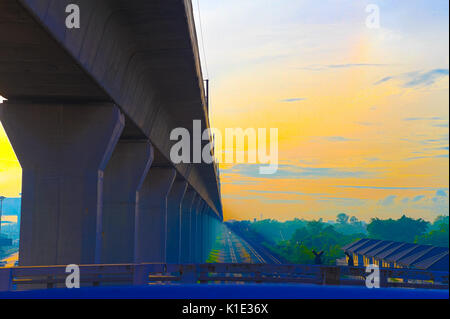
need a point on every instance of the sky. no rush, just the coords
(362, 112)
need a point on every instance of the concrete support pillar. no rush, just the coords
(207, 235)
(204, 232)
(63, 151)
(198, 232)
(124, 175)
(193, 235)
(151, 221)
(214, 231)
(185, 238)
(174, 203)
(211, 235)
(216, 224)
(211, 232)
(206, 228)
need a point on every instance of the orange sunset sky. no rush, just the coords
(362, 113)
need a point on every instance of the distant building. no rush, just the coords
(390, 254)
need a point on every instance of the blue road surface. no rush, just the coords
(230, 291)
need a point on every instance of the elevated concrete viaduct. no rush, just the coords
(89, 115)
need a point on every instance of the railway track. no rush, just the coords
(230, 246)
(257, 257)
(238, 250)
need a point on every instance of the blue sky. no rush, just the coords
(362, 113)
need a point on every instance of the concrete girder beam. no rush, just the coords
(131, 53)
(124, 176)
(63, 150)
(151, 221)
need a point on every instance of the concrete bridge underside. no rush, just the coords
(89, 114)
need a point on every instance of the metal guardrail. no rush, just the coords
(42, 277)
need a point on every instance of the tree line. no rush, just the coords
(299, 241)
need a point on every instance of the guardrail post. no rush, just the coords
(331, 275)
(189, 274)
(6, 279)
(383, 278)
(50, 282)
(258, 277)
(140, 275)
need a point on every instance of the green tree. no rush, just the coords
(439, 221)
(438, 235)
(315, 235)
(354, 220)
(350, 227)
(315, 226)
(300, 235)
(404, 229)
(342, 218)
